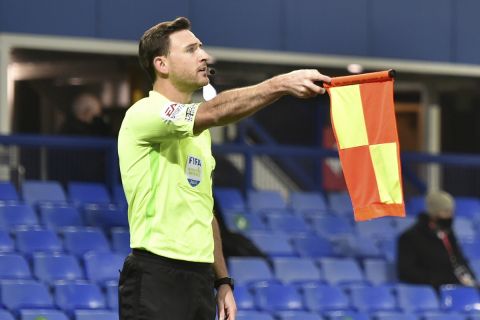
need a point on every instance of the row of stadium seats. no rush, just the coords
(333, 271)
(335, 203)
(47, 314)
(34, 192)
(323, 299)
(74, 240)
(58, 215)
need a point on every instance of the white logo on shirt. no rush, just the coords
(193, 170)
(171, 111)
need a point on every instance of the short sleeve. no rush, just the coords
(170, 121)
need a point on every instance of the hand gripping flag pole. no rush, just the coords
(363, 120)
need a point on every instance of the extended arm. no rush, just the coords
(233, 105)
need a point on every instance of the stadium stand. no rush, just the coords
(321, 265)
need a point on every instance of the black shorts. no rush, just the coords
(157, 288)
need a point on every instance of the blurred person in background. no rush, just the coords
(428, 252)
(166, 165)
(85, 117)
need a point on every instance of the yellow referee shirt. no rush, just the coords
(167, 177)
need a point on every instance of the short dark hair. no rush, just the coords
(156, 42)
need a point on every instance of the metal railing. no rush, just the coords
(110, 175)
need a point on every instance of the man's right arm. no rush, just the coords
(233, 105)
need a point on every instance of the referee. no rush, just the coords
(166, 166)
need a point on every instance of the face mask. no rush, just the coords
(444, 223)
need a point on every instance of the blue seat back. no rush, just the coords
(265, 199)
(277, 297)
(52, 267)
(25, 294)
(295, 269)
(79, 295)
(8, 191)
(245, 270)
(322, 297)
(88, 192)
(38, 191)
(337, 270)
(14, 266)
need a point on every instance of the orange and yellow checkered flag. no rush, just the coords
(363, 120)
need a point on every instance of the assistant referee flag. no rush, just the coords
(363, 120)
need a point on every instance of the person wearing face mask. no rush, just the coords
(428, 252)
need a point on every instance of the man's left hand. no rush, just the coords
(227, 308)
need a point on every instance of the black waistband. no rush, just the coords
(173, 263)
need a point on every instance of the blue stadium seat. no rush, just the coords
(415, 205)
(229, 200)
(105, 216)
(357, 246)
(394, 316)
(273, 245)
(443, 316)
(295, 270)
(241, 222)
(51, 267)
(78, 295)
(79, 241)
(95, 315)
(277, 297)
(301, 201)
(14, 266)
(243, 298)
(416, 298)
(312, 246)
(35, 192)
(347, 315)
(475, 266)
(25, 294)
(459, 299)
(14, 214)
(102, 267)
(380, 229)
(321, 297)
(467, 207)
(402, 224)
(265, 199)
(6, 315)
(119, 196)
(42, 314)
(246, 270)
(331, 226)
(88, 192)
(59, 216)
(121, 240)
(253, 315)
(373, 298)
(340, 203)
(34, 240)
(464, 229)
(341, 271)
(6, 242)
(112, 294)
(8, 192)
(298, 315)
(470, 249)
(379, 271)
(287, 223)
(389, 249)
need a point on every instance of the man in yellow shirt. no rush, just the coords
(166, 167)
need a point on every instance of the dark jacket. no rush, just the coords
(422, 257)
